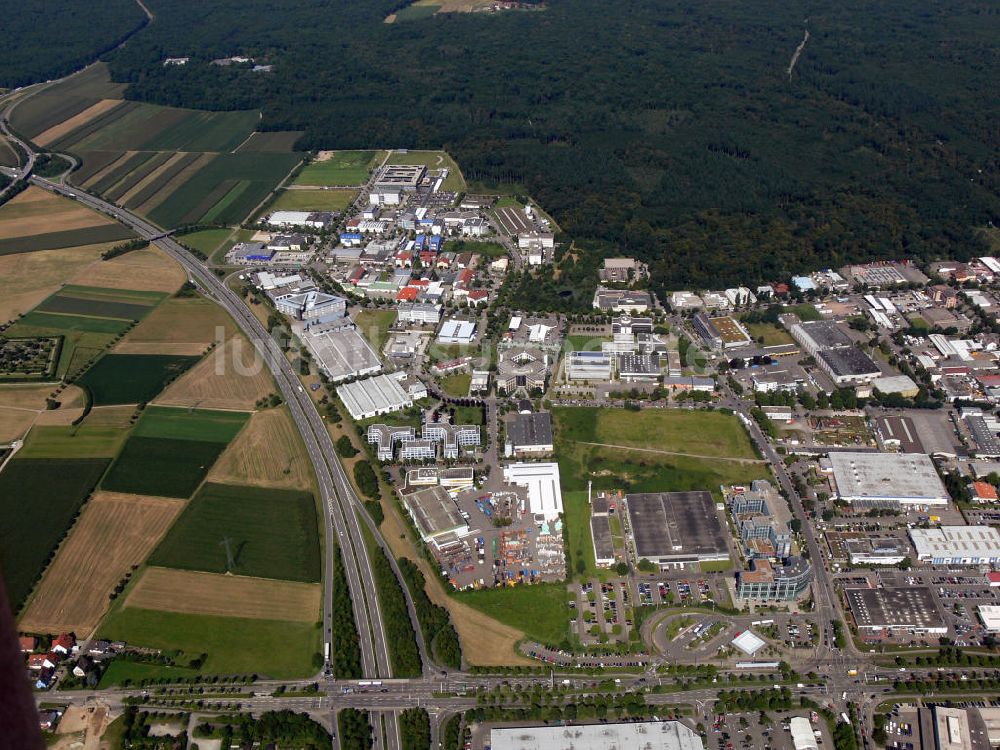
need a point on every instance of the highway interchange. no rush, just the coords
(440, 692)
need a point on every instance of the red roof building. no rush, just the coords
(64, 643)
(28, 643)
(993, 578)
(984, 492)
(408, 293)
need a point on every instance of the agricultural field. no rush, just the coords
(28, 278)
(38, 501)
(39, 220)
(232, 376)
(169, 455)
(180, 325)
(94, 302)
(148, 270)
(197, 593)
(132, 378)
(652, 450)
(65, 99)
(267, 453)
(24, 404)
(8, 154)
(339, 168)
(226, 190)
(433, 160)
(313, 200)
(275, 648)
(282, 140)
(73, 441)
(114, 533)
(272, 534)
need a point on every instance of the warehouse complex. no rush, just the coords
(381, 394)
(886, 610)
(675, 528)
(957, 545)
(644, 735)
(885, 479)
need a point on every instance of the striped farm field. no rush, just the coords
(267, 453)
(183, 325)
(64, 100)
(199, 593)
(149, 270)
(38, 212)
(114, 533)
(282, 140)
(78, 120)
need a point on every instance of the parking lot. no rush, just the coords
(746, 732)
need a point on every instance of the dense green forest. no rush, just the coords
(670, 129)
(43, 40)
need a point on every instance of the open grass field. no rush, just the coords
(236, 182)
(771, 334)
(38, 500)
(456, 384)
(339, 168)
(69, 441)
(272, 533)
(278, 649)
(267, 453)
(433, 160)
(313, 200)
(126, 672)
(162, 467)
(538, 611)
(149, 270)
(207, 241)
(230, 377)
(374, 326)
(805, 311)
(28, 278)
(577, 534)
(132, 378)
(281, 140)
(114, 533)
(198, 593)
(415, 12)
(190, 424)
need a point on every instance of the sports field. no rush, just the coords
(38, 500)
(132, 378)
(339, 168)
(272, 534)
(275, 648)
(267, 453)
(313, 200)
(199, 593)
(230, 377)
(114, 533)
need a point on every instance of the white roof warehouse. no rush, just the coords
(957, 545)
(907, 478)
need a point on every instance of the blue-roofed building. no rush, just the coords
(351, 239)
(418, 244)
(803, 283)
(436, 243)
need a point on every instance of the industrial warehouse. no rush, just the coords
(675, 528)
(887, 479)
(647, 735)
(909, 609)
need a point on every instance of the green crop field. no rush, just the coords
(136, 176)
(281, 650)
(279, 140)
(208, 186)
(120, 170)
(539, 610)
(125, 672)
(190, 424)
(158, 466)
(65, 238)
(272, 533)
(207, 240)
(69, 441)
(342, 169)
(205, 131)
(101, 303)
(38, 500)
(433, 160)
(146, 193)
(93, 162)
(132, 378)
(313, 200)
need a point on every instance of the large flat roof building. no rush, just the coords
(848, 365)
(674, 528)
(381, 394)
(544, 489)
(870, 478)
(638, 735)
(909, 609)
(400, 176)
(589, 365)
(435, 514)
(528, 434)
(957, 545)
(342, 353)
(815, 335)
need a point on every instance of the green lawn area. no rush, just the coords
(805, 311)
(343, 168)
(456, 384)
(313, 200)
(584, 342)
(716, 566)
(123, 671)
(577, 535)
(207, 240)
(82, 441)
(539, 610)
(407, 418)
(489, 250)
(280, 650)
(468, 415)
(374, 326)
(772, 334)
(433, 160)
